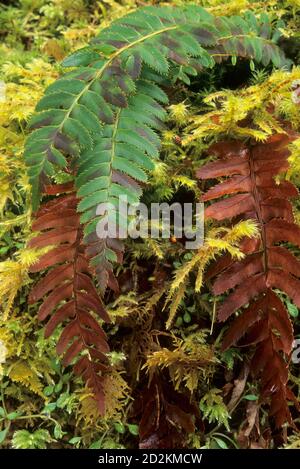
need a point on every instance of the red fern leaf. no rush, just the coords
(67, 291)
(251, 191)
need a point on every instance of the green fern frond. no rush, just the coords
(76, 106)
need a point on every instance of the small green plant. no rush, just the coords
(23, 439)
(214, 408)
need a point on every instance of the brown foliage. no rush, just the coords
(67, 291)
(166, 416)
(250, 191)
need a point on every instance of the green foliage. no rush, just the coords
(104, 77)
(23, 439)
(214, 408)
(162, 102)
(118, 73)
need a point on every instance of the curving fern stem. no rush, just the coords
(100, 122)
(252, 192)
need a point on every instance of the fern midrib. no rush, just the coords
(76, 254)
(257, 200)
(254, 35)
(113, 147)
(113, 154)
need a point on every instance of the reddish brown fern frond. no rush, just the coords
(67, 291)
(252, 193)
